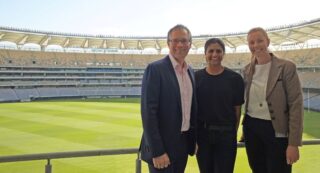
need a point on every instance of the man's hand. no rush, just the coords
(161, 162)
(292, 154)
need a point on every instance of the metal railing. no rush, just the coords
(71, 154)
(89, 153)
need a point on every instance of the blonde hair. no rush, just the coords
(258, 29)
(253, 60)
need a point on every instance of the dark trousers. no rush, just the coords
(266, 153)
(217, 150)
(176, 166)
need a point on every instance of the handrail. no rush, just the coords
(88, 153)
(67, 154)
(71, 154)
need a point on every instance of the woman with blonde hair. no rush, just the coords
(273, 108)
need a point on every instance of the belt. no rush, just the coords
(218, 127)
(184, 132)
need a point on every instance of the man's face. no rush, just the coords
(179, 44)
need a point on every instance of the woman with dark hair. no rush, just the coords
(220, 94)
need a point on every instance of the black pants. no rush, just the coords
(176, 166)
(217, 150)
(266, 153)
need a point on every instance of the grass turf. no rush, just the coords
(73, 125)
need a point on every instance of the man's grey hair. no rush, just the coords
(177, 27)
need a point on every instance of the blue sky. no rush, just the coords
(153, 17)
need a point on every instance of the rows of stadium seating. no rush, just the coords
(27, 75)
(37, 77)
(60, 59)
(310, 79)
(27, 94)
(302, 57)
(28, 83)
(311, 100)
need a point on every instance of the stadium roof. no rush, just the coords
(293, 34)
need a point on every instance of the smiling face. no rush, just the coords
(214, 54)
(179, 44)
(258, 42)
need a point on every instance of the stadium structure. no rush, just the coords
(42, 65)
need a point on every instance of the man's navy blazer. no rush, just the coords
(162, 113)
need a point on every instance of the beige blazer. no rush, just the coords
(284, 98)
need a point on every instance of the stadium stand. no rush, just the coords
(30, 82)
(28, 75)
(105, 66)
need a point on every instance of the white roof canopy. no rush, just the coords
(295, 34)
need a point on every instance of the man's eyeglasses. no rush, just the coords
(182, 41)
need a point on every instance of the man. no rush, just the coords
(168, 107)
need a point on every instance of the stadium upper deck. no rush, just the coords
(294, 34)
(26, 58)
